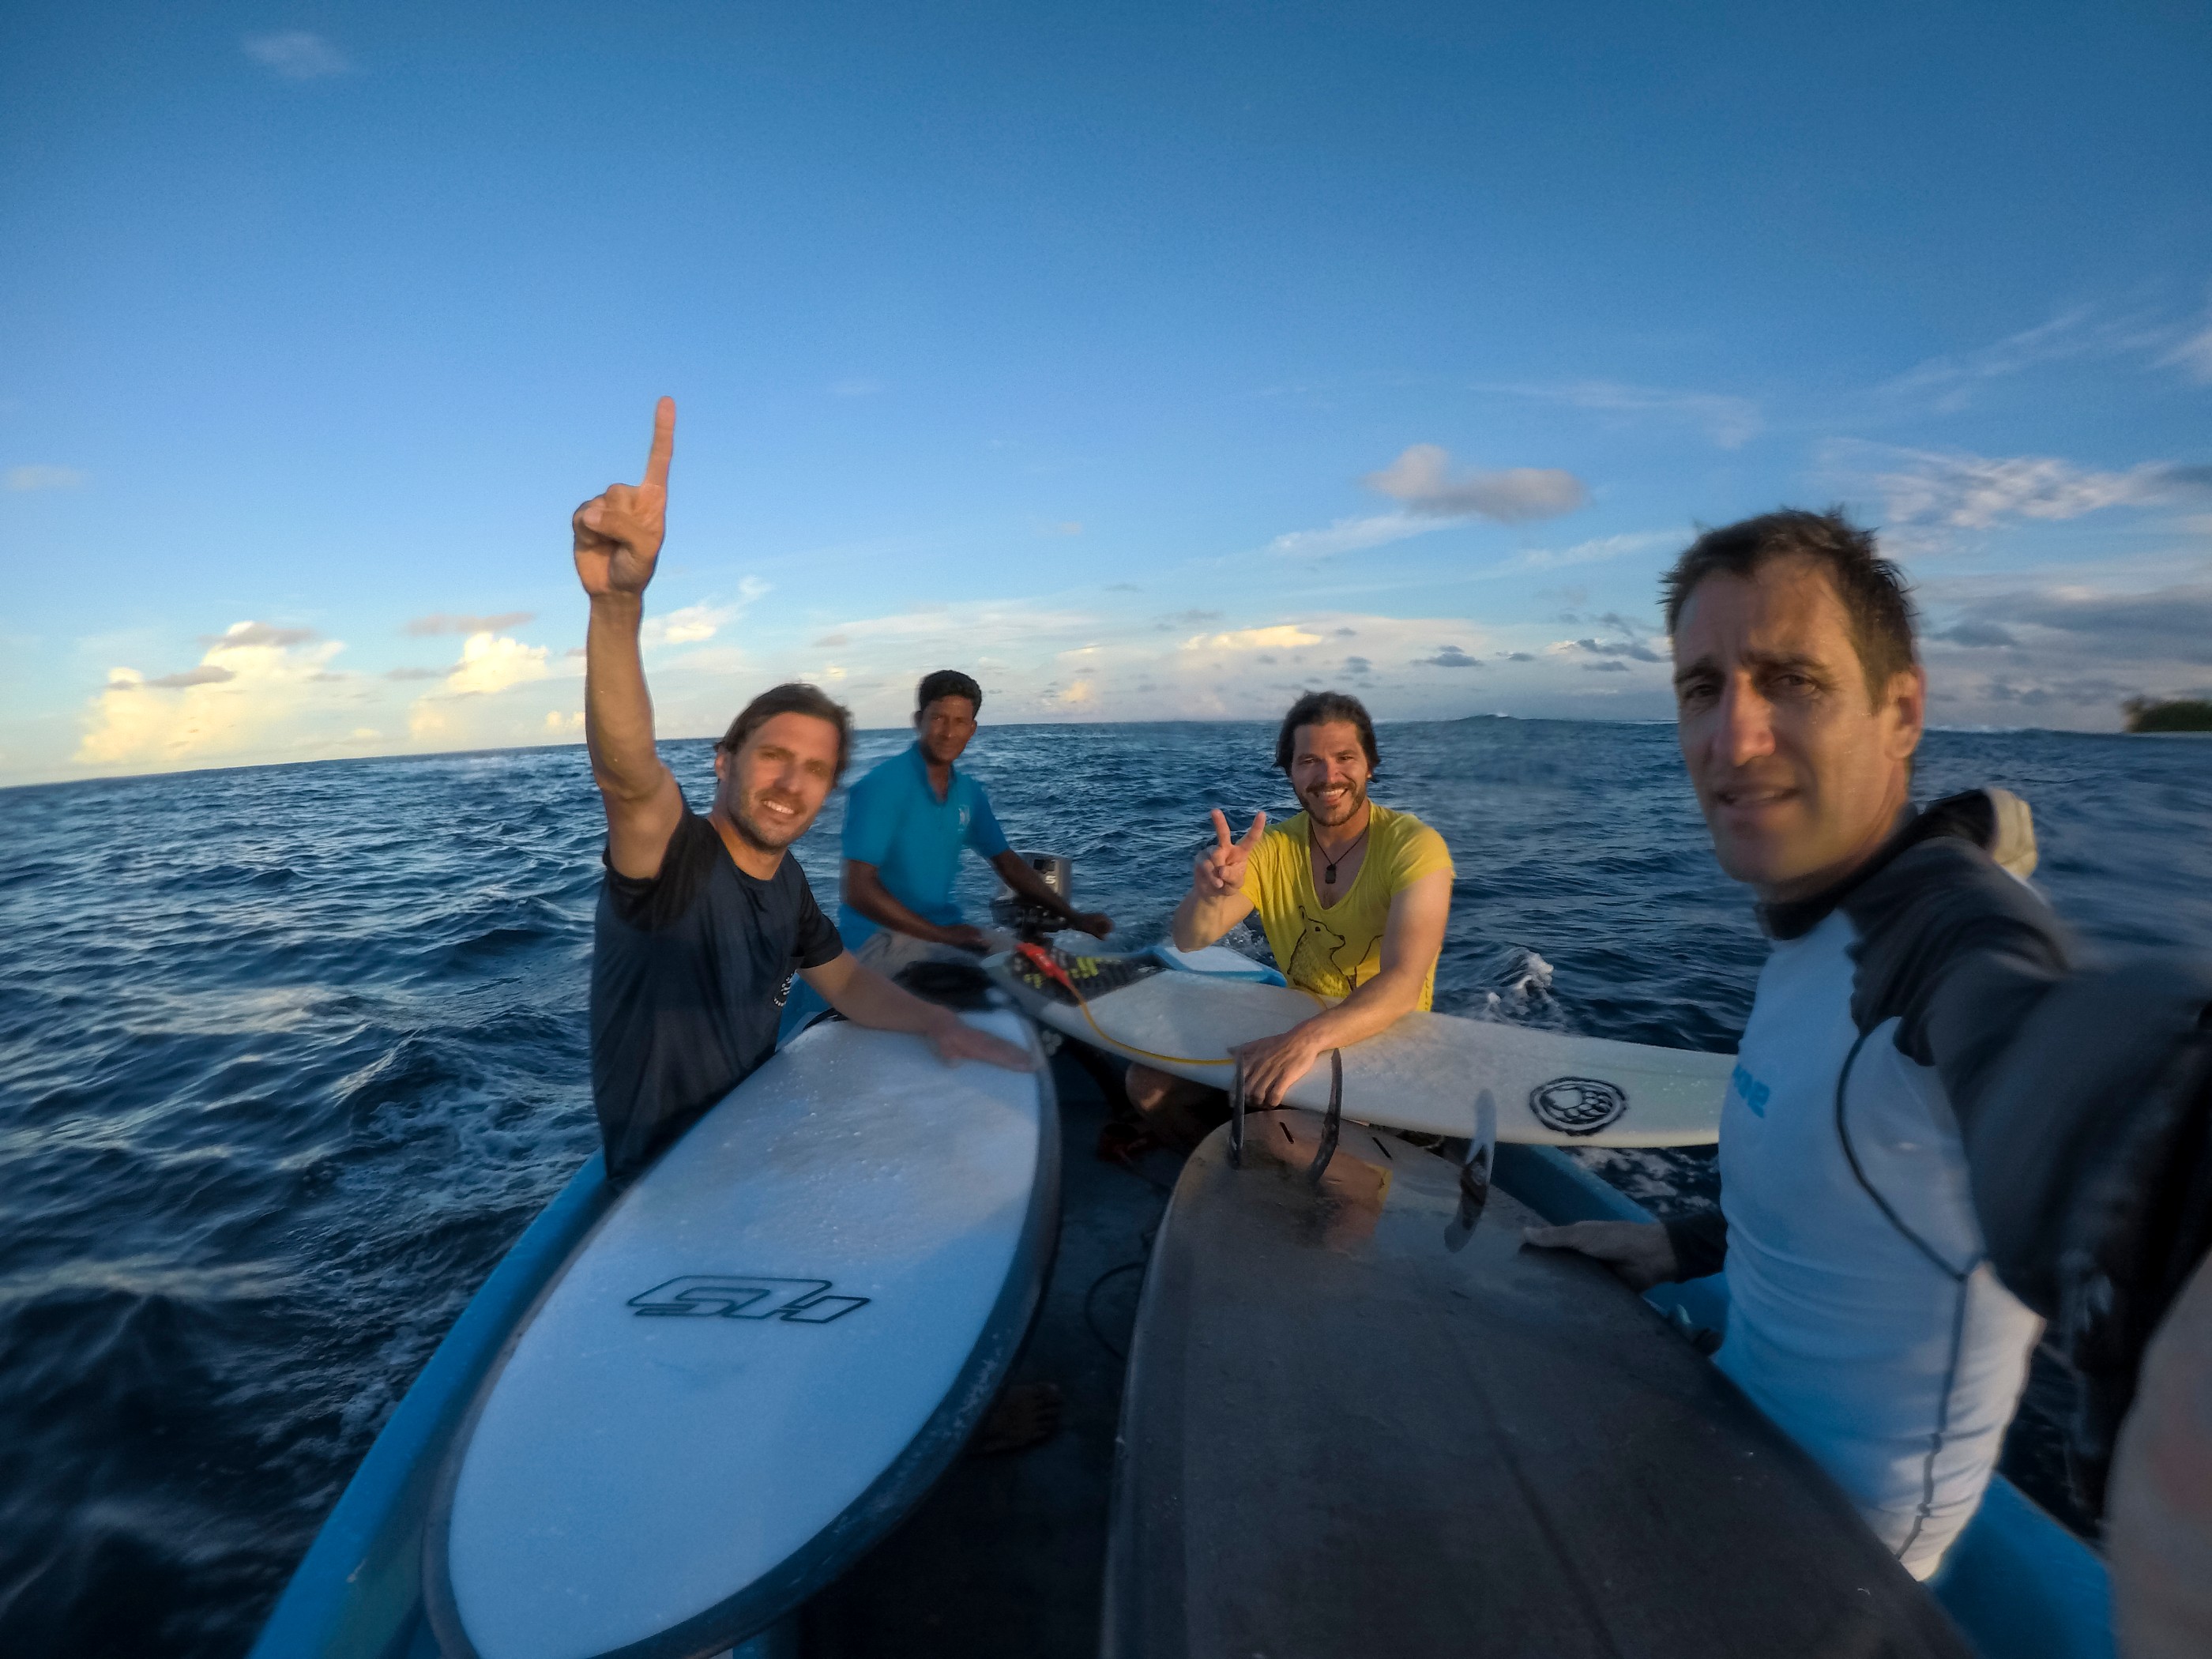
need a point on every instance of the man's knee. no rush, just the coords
(1148, 1089)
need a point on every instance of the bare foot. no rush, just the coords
(1025, 1415)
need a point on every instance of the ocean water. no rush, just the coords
(290, 1055)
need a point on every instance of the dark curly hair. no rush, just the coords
(1321, 708)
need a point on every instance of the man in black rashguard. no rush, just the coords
(703, 922)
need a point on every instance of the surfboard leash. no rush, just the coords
(1040, 959)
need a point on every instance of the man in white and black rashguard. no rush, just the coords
(1948, 1126)
(704, 920)
(1864, 1316)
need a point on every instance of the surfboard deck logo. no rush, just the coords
(1085, 976)
(1577, 1105)
(746, 1296)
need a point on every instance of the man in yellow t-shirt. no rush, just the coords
(1353, 898)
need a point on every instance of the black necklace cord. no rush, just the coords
(1328, 876)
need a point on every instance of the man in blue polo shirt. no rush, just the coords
(905, 824)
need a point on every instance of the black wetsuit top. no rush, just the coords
(689, 971)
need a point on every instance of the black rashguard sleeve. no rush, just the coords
(650, 904)
(819, 943)
(2084, 1100)
(1700, 1244)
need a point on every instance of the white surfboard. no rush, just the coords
(763, 1355)
(1428, 1072)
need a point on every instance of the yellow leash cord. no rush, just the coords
(1056, 971)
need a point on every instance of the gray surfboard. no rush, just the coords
(1342, 1436)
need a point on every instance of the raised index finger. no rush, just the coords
(664, 442)
(1220, 829)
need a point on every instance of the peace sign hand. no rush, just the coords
(1219, 872)
(618, 533)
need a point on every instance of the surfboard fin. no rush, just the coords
(1475, 1174)
(1333, 1124)
(1237, 1117)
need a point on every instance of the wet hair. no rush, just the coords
(1875, 595)
(947, 683)
(794, 697)
(1323, 708)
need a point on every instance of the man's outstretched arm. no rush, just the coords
(864, 890)
(618, 535)
(866, 998)
(1014, 869)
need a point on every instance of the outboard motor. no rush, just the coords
(1031, 923)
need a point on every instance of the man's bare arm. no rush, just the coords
(1412, 937)
(1014, 869)
(617, 542)
(1216, 901)
(866, 998)
(1640, 1252)
(865, 891)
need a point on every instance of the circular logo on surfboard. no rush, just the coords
(1577, 1105)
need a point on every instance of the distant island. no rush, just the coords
(2168, 714)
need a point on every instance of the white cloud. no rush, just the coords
(1420, 478)
(263, 692)
(1285, 636)
(236, 705)
(1730, 421)
(1349, 535)
(492, 663)
(1633, 648)
(2193, 356)
(258, 632)
(43, 477)
(688, 625)
(2070, 334)
(442, 623)
(296, 55)
(1432, 498)
(1595, 551)
(2077, 335)
(207, 673)
(283, 698)
(1960, 491)
(691, 624)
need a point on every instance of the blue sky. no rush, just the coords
(1149, 362)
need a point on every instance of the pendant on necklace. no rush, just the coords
(1329, 875)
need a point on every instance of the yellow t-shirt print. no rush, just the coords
(1330, 949)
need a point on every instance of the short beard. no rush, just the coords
(1353, 802)
(754, 831)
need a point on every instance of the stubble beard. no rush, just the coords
(770, 835)
(1346, 808)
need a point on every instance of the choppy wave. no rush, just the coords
(290, 1055)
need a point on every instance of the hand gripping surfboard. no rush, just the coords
(1429, 1072)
